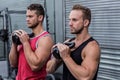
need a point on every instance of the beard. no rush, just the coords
(77, 31)
(34, 25)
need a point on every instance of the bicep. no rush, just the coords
(91, 58)
(44, 47)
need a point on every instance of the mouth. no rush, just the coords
(28, 23)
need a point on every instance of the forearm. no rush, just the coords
(13, 56)
(52, 65)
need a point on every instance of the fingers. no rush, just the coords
(19, 32)
(62, 47)
(22, 31)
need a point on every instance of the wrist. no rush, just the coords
(14, 45)
(25, 43)
(66, 58)
(57, 60)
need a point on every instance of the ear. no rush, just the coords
(40, 17)
(86, 22)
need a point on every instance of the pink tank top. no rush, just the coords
(24, 70)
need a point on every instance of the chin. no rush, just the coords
(28, 26)
(72, 32)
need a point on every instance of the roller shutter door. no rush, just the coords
(105, 27)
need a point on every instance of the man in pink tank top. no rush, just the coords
(33, 53)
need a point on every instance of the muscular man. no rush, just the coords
(32, 55)
(82, 61)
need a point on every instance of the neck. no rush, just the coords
(80, 38)
(39, 29)
(83, 35)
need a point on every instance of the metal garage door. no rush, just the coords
(105, 27)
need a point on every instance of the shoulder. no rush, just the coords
(44, 36)
(92, 49)
(46, 39)
(93, 45)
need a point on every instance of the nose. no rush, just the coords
(70, 23)
(27, 19)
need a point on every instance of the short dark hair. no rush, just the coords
(38, 7)
(86, 11)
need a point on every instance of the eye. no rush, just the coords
(29, 16)
(74, 19)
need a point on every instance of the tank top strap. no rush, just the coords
(41, 35)
(86, 42)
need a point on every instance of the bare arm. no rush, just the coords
(36, 59)
(53, 64)
(88, 68)
(13, 56)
